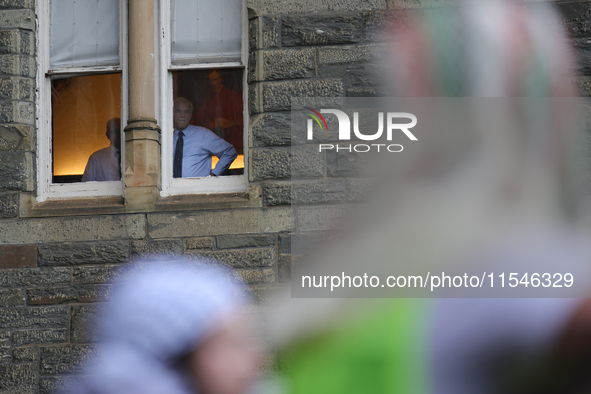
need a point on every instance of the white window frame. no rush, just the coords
(208, 185)
(46, 190)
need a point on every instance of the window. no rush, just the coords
(82, 98)
(203, 57)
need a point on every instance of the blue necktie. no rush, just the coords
(177, 164)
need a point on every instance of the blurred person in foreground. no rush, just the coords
(172, 329)
(501, 196)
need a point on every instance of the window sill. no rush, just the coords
(190, 202)
(30, 208)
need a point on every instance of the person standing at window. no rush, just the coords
(194, 146)
(105, 164)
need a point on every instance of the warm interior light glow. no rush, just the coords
(81, 108)
(238, 163)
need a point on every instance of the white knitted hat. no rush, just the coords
(158, 313)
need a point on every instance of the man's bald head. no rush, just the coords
(182, 112)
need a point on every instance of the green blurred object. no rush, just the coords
(383, 351)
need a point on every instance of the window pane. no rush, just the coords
(81, 108)
(84, 33)
(217, 105)
(206, 31)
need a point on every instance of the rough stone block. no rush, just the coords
(254, 276)
(331, 71)
(244, 241)
(255, 98)
(583, 53)
(346, 164)
(17, 19)
(264, 32)
(204, 223)
(270, 164)
(44, 336)
(84, 319)
(320, 29)
(363, 76)
(200, 243)
(278, 163)
(8, 205)
(367, 92)
(304, 192)
(17, 41)
(239, 258)
(403, 4)
(8, 4)
(291, 7)
(276, 193)
(16, 137)
(284, 243)
(358, 189)
(63, 359)
(380, 25)
(348, 54)
(315, 192)
(35, 317)
(156, 248)
(4, 348)
(16, 170)
(92, 228)
(17, 88)
(324, 218)
(18, 256)
(76, 253)
(93, 275)
(276, 96)
(27, 354)
(18, 379)
(11, 298)
(269, 65)
(584, 83)
(284, 268)
(273, 129)
(56, 384)
(74, 293)
(307, 162)
(35, 277)
(14, 64)
(577, 18)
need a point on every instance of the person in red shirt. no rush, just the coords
(221, 112)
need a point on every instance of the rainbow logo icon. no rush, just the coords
(315, 115)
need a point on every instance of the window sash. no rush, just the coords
(83, 33)
(175, 186)
(47, 190)
(206, 31)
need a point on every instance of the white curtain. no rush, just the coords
(206, 30)
(84, 33)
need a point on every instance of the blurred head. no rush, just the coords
(215, 80)
(224, 363)
(177, 329)
(182, 112)
(114, 132)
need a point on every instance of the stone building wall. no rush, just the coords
(54, 271)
